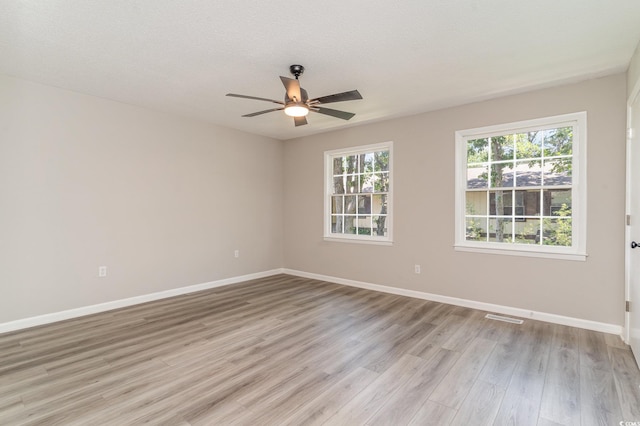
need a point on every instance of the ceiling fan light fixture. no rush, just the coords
(296, 109)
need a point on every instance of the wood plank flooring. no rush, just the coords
(285, 350)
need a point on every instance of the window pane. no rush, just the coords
(350, 225)
(380, 225)
(476, 202)
(527, 231)
(364, 225)
(507, 195)
(350, 204)
(364, 204)
(351, 184)
(529, 145)
(557, 172)
(338, 184)
(381, 182)
(337, 204)
(338, 165)
(476, 229)
(364, 162)
(500, 230)
(379, 204)
(367, 182)
(530, 202)
(478, 150)
(502, 175)
(528, 173)
(557, 232)
(351, 164)
(519, 198)
(558, 141)
(508, 146)
(502, 147)
(381, 161)
(518, 205)
(557, 202)
(507, 203)
(337, 223)
(500, 203)
(477, 176)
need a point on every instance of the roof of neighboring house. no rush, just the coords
(522, 175)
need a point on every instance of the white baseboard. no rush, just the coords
(108, 306)
(506, 310)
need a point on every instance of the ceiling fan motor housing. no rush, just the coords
(296, 70)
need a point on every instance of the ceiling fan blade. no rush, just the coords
(334, 113)
(300, 121)
(305, 95)
(293, 88)
(338, 97)
(255, 98)
(253, 114)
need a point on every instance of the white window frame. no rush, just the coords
(578, 189)
(328, 192)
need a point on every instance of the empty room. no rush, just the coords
(319, 213)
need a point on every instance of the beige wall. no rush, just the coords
(424, 209)
(161, 201)
(633, 74)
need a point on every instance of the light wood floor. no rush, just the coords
(286, 350)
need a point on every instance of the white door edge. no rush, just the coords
(633, 97)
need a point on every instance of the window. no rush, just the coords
(521, 188)
(358, 185)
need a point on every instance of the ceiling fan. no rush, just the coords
(297, 103)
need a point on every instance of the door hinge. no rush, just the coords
(628, 220)
(628, 306)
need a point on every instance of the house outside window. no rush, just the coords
(358, 194)
(521, 188)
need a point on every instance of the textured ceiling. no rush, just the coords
(404, 57)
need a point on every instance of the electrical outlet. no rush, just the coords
(102, 271)
(416, 269)
(236, 253)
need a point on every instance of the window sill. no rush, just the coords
(523, 253)
(359, 241)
